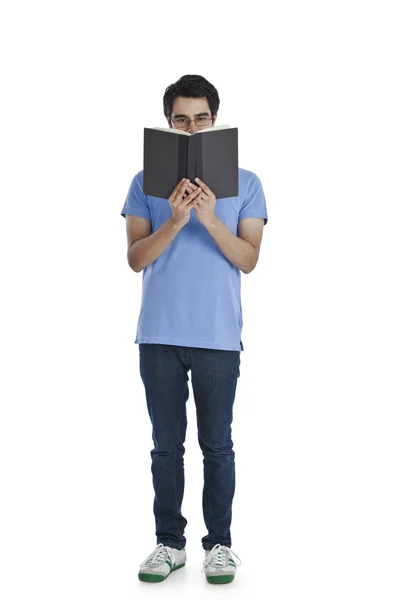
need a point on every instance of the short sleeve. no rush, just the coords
(136, 202)
(254, 204)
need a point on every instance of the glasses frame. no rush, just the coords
(194, 120)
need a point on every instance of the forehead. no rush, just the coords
(190, 106)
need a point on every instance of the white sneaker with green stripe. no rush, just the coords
(219, 566)
(160, 563)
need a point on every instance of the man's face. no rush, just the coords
(191, 108)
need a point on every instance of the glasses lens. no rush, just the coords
(183, 123)
(180, 122)
(202, 121)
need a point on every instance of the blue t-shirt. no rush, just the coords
(191, 293)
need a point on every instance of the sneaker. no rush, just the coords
(219, 566)
(160, 563)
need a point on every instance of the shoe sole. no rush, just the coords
(220, 578)
(153, 578)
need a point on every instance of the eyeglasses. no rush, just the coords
(184, 122)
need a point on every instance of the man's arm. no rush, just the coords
(241, 250)
(144, 248)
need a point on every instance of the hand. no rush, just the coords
(205, 203)
(182, 200)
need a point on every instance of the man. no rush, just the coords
(191, 250)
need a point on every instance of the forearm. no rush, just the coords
(239, 252)
(144, 252)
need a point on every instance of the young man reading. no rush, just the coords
(192, 250)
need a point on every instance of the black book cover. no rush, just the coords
(210, 155)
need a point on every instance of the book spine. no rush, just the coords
(191, 158)
(198, 142)
(182, 157)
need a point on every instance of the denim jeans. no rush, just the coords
(214, 373)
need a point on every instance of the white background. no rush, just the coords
(314, 90)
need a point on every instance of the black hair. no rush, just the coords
(191, 86)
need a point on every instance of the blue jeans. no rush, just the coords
(164, 372)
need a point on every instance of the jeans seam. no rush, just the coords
(175, 453)
(208, 494)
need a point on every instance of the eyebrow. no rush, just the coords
(203, 114)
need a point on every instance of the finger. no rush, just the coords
(192, 196)
(197, 192)
(175, 192)
(192, 191)
(181, 193)
(194, 203)
(181, 184)
(184, 187)
(204, 187)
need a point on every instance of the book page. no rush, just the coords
(171, 130)
(212, 128)
(182, 132)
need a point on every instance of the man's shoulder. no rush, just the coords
(247, 175)
(247, 181)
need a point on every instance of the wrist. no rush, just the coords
(175, 225)
(211, 222)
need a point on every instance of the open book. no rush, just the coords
(171, 154)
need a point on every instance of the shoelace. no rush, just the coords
(158, 556)
(219, 557)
